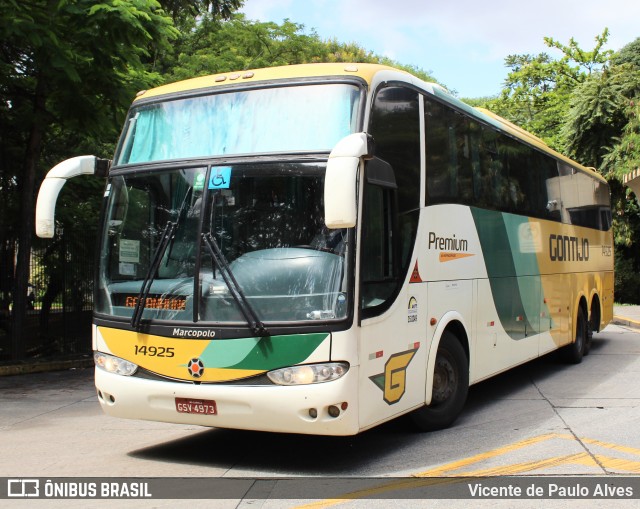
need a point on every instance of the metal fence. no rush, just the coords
(60, 299)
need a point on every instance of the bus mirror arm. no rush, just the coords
(55, 181)
(341, 179)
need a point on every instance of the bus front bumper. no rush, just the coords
(288, 409)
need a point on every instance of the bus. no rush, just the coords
(322, 248)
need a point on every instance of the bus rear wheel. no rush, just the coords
(573, 352)
(450, 386)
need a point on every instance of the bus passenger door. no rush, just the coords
(392, 311)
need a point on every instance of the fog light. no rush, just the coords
(313, 413)
(334, 411)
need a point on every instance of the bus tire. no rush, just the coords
(573, 352)
(450, 386)
(588, 340)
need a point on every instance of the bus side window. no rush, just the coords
(390, 213)
(378, 282)
(585, 201)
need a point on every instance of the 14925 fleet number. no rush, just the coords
(154, 351)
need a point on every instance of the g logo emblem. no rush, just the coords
(393, 381)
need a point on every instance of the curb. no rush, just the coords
(44, 366)
(626, 322)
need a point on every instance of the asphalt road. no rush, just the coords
(541, 419)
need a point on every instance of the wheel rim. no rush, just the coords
(445, 379)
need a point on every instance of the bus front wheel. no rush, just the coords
(450, 386)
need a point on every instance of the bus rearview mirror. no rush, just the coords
(340, 206)
(53, 184)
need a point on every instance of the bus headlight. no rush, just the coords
(114, 364)
(308, 373)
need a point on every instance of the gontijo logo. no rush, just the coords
(563, 248)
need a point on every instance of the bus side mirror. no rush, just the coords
(53, 183)
(340, 183)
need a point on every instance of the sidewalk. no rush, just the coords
(629, 316)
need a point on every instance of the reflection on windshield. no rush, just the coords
(284, 119)
(266, 219)
(139, 210)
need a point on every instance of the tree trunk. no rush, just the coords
(26, 221)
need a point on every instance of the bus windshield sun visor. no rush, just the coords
(256, 326)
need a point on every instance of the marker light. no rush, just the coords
(112, 364)
(308, 373)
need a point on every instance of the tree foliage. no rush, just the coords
(64, 66)
(600, 111)
(538, 87)
(210, 45)
(585, 104)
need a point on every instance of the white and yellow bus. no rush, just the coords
(322, 248)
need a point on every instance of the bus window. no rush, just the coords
(585, 201)
(449, 155)
(390, 219)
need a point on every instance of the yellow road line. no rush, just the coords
(581, 458)
(447, 470)
(456, 465)
(616, 447)
(619, 464)
(384, 488)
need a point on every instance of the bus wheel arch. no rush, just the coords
(449, 378)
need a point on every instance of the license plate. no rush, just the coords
(196, 406)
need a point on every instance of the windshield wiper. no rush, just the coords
(256, 326)
(167, 234)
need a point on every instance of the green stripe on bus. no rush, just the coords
(261, 353)
(514, 276)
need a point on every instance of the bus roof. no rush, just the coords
(365, 72)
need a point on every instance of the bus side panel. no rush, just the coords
(393, 353)
(501, 344)
(577, 263)
(557, 295)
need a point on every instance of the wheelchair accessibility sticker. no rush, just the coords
(220, 177)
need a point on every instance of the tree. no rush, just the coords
(538, 87)
(601, 110)
(210, 45)
(190, 9)
(585, 104)
(602, 126)
(75, 63)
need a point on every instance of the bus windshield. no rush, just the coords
(304, 118)
(266, 218)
